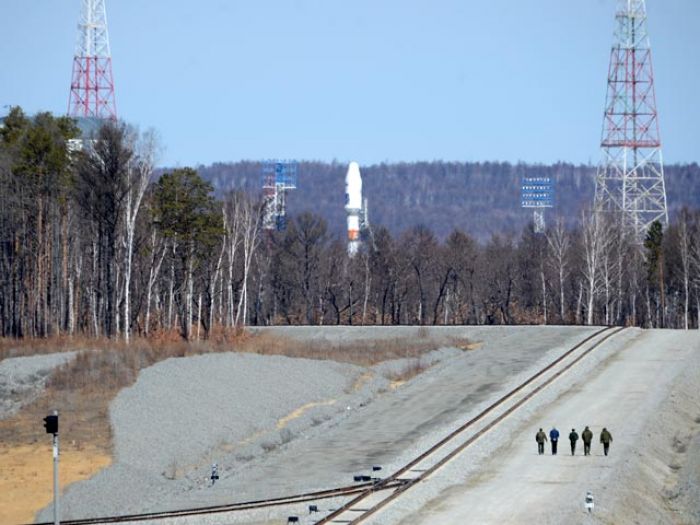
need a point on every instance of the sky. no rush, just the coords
(366, 80)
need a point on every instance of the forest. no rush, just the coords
(96, 241)
(482, 198)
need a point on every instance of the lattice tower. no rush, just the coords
(92, 85)
(630, 178)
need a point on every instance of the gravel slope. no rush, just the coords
(22, 379)
(278, 426)
(184, 413)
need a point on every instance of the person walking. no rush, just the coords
(540, 437)
(573, 438)
(554, 439)
(587, 437)
(606, 439)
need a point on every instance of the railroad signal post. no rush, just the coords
(51, 426)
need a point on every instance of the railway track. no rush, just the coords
(368, 498)
(350, 490)
(377, 497)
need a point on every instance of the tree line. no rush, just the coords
(93, 243)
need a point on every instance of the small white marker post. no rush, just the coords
(214, 473)
(56, 514)
(589, 502)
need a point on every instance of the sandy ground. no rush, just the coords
(627, 394)
(26, 477)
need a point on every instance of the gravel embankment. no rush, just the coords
(22, 379)
(279, 426)
(659, 481)
(183, 414)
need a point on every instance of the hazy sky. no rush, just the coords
(365, 80)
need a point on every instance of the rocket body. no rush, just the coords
(353, 206)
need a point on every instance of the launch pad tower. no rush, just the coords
(630, 178)
(278, 177)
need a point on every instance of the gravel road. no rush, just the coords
(22, 379)
(629, 394)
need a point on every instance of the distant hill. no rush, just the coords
(479, 197)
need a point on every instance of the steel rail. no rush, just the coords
(231, 507)
(366, 513)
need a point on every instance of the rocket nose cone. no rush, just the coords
(353, 172)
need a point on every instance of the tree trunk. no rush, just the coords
(544, 295)
(94, 288)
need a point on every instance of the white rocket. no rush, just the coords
(353, 206)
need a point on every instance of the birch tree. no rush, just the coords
(595, 240)
(251, 217)
(232, 241)
(139, 172)
(559, 245)
(684, 247)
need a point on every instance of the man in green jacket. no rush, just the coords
(606, 439)
(573, 438)
(587, 437)
(540, 437)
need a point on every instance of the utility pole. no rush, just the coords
(630, 177)
(51, 426)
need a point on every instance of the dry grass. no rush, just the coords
(23, 347)
(83, 388)
(411, 370)
(362, 353)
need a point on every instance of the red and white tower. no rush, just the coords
(92, 86)
(630, 178)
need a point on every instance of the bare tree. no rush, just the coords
(232, 225)
(251, 217)
(139, 171)
(102, 191)
(158, 248)
(559, 244)
(595, 237)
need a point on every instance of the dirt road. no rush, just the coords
(623, 394)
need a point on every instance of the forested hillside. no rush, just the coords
(479, 198)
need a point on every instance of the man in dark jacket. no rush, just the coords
(554, 439)
(606, 439)
(573, 438)
(587, 437)
(540, 437)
